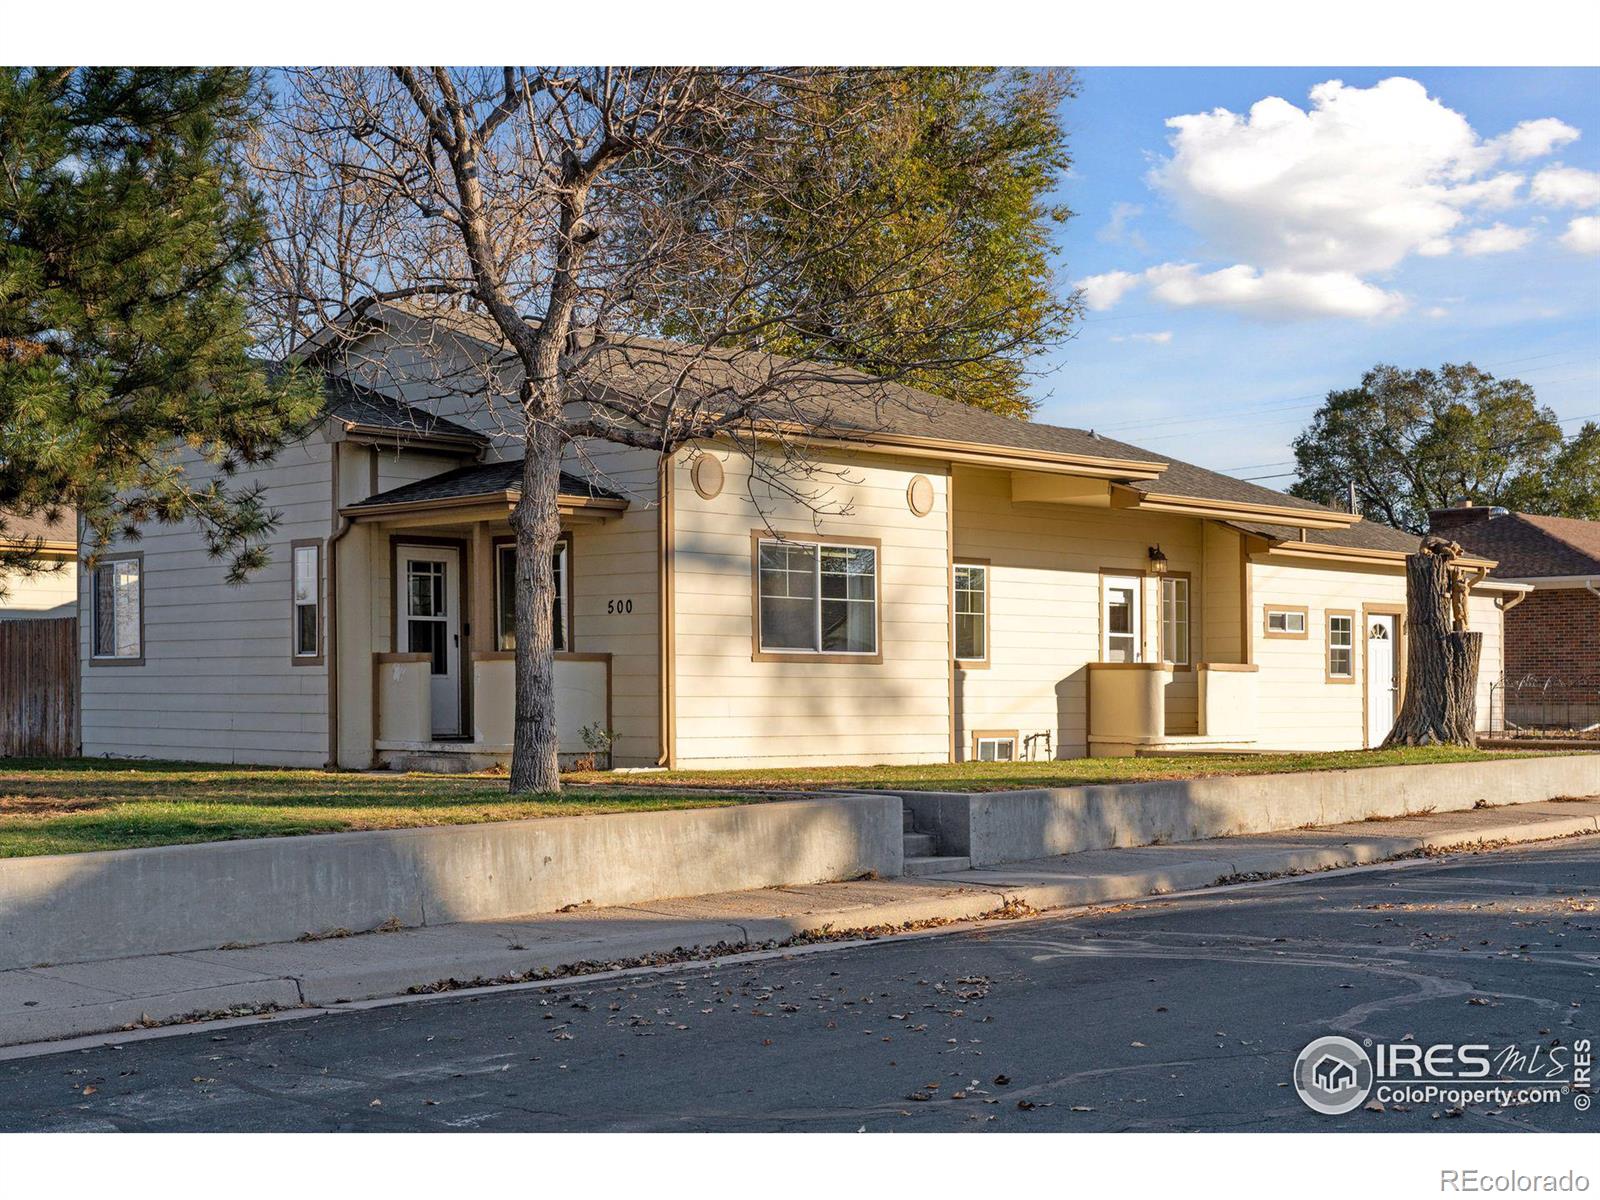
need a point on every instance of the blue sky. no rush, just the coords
(1242, 266)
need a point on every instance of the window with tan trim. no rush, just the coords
(995, 747)
(970, 609)
(1175, 623)
(816, 598)
(1341, 647)
(1286, 621)
(505, 596)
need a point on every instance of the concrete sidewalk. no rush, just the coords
(47, 1002)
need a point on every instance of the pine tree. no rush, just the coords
(126, 232)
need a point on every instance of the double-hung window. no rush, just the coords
(119, 610)
(971, 606)
(305, 566)
(1341, 647)
(816, 598)
(1175, 619)
(505, 592)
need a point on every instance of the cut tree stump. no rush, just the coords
(1440, 705)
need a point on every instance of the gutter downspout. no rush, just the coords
(664, 576)
(343, 526)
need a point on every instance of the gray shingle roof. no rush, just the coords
(359, 405)
(484, 479)
(841, 402)
(14, 528)
(1363, 535)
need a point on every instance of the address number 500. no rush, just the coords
(619, 606)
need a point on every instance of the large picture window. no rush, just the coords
(971, 607)
(505, 591)
(119, 610)
(816, 598)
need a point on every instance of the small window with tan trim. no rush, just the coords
(1286, 621)
(1341, 647)
(970, 600)
(995, 747)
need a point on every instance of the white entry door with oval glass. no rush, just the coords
(1383, 675)
(428, 583)
(1120, 619)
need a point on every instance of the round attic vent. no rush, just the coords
(706, 474)
(919, 495)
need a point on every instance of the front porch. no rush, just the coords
(427, 579)
(406, 730)
(1129, 706)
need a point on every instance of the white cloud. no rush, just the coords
(1567, 187)
(1436, 312)
(1582, 235)
(1535, 139)
(1119, 229)
(1363, 178)
(1160, 338)
(1103, 291)
(1495, 239)
(1275, 292)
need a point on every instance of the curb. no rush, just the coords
(950, 899)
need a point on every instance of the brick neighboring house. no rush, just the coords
(1555, 632)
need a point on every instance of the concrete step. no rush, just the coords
(920, 845)
(906, 822)
(937, 864)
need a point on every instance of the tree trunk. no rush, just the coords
(1440, 702)
(535, 766)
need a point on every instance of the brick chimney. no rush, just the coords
(1464, 512)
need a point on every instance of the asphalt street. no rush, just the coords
(1165, 1015)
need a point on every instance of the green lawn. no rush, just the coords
(63, 807)
(1070, 772)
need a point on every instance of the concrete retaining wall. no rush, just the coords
(1000, 827)
(72, 907)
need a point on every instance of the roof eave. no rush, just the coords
(1201, 506)
(978, 454)
(567, 502)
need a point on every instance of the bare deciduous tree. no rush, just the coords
(546, 210)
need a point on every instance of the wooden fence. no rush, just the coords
(39, 687)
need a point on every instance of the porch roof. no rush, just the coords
(483, 483)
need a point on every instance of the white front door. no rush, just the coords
(1120, 618)
(428, 583)
(1383, 676)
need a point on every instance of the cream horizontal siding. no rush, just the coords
(732, 709)
(1483, 613)
(217, 683)
(616, 595)
(1044, 598)
(45, 594)
(1300, 710)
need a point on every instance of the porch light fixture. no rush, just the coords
(1158, 561)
